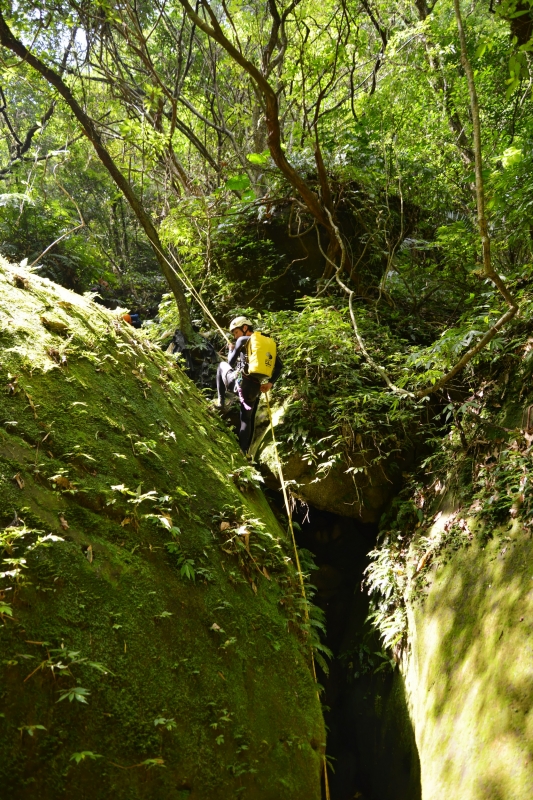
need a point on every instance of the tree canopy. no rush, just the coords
(257, 153)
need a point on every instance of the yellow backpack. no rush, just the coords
(261, 351)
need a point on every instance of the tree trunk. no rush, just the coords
(309, 197)
(8, 41)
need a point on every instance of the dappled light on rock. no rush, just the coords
(148, 648)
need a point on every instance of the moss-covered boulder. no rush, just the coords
(360, 492)
(469, 673)
(151, 644)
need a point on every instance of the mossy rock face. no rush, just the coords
(189, 657)
(361, 496)
(360, 493)
(469, 674)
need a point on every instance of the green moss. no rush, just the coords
(469, 673)
(92, 407)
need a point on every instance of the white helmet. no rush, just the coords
(238, 322)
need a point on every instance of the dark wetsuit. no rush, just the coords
(247, 387)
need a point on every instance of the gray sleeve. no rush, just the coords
(240, 345)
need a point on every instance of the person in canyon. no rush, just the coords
(234, 375)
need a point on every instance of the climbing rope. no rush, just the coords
(289, 516)
(184, 278)
(188, 284)
(297, 559)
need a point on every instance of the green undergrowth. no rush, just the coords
(149, 644)
(473, 490)
(336, 409)
(465, 445)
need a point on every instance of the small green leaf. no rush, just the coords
(512, 156)
(77, 693)
(77, 757)
(153, 762)
(238, 183)
(260, 159)
(100, 667)
(169, 724)
(248, 196)
(30, 729)
(187, 569)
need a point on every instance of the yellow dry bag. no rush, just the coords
(261, 352)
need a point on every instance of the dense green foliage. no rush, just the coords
(380, 87)
(478, 472)
(276, 147)
(379, 90)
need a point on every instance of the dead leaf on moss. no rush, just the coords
(62, 521)
(89, 554)
(19, 480)
(29, 398)
(53, 324)
(12, 387)
(254, 587)
(266, 573)
(245, 533)
(62, 482)
(64, 304)
(224, 526)
(423, 561)
(21, 282)
(56, 356)
(125, 521)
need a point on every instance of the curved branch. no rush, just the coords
(23, 147)
(480, 190)
(392, 386)
(8, 41)
(489, 270)
(214, 31)
(64, 236)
